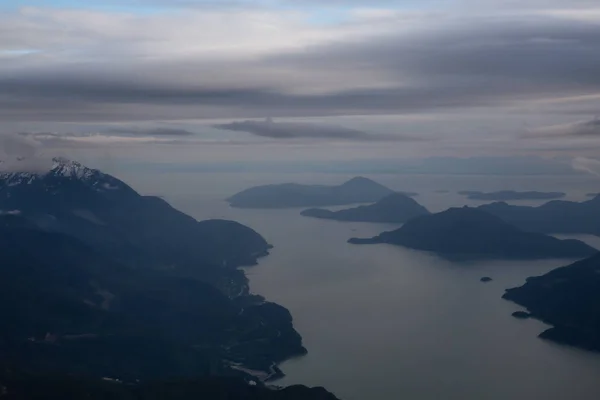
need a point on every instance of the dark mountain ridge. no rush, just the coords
(556, 216)
(107, 214)
(507, 195)
(471, 233)
(29, 386)
(98, 280)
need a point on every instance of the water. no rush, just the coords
(384, 322)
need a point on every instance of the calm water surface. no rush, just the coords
(384, 322)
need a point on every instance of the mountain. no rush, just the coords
(27, 386)
(507, 195)
(553, 217)
(471, 233)
(97, 280)
(104, 212)
(394, 208)
(567, 298)
(288, 195)
(66, 304)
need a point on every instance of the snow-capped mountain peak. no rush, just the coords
(54, 175)
(20, 172)
(64, 167)
(12, 178)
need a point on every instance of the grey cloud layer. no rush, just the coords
(26, 144)
(381, 3)
(440, 63)
(581, 129)
(152, 131)
(291, 130)
(590, 165)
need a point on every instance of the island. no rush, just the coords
(508, 195)
(486, 279)
(290, 195)
(566, 298)
(394, 208)
(557, 216)
(592, 194)
(469, 233)
(521, 314)
(99, 281)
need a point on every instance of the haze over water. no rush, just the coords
(384, 322)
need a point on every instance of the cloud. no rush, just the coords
(52, 140)
(583, 129)
(535, 4)
(22, 153)
(151, 131)
(589, 165)
(10, 212)
(293, 130)
(100, 66)
(121, 138)
(30, 144)
(18, 146)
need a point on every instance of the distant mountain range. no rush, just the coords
(394, 208)
(459, 233)
(508, 195)
(553, 217)
(97, 280)
(289, 195)
(567, 298)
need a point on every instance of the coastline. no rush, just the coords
(276, 319)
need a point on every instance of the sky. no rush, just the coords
(231, 80)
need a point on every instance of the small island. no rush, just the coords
(567, 298)
(592, 194)
(290, 195)
(486, 279)
(394, 208)
(521, 314)
(469, 233)
(508, 195)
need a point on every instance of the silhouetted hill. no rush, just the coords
(567, 298)
(471, 233)
(394, 208)
(553, 217)
(98, 280)
(287, 195)
(508, 195)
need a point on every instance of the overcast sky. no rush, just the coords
(234, 79)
